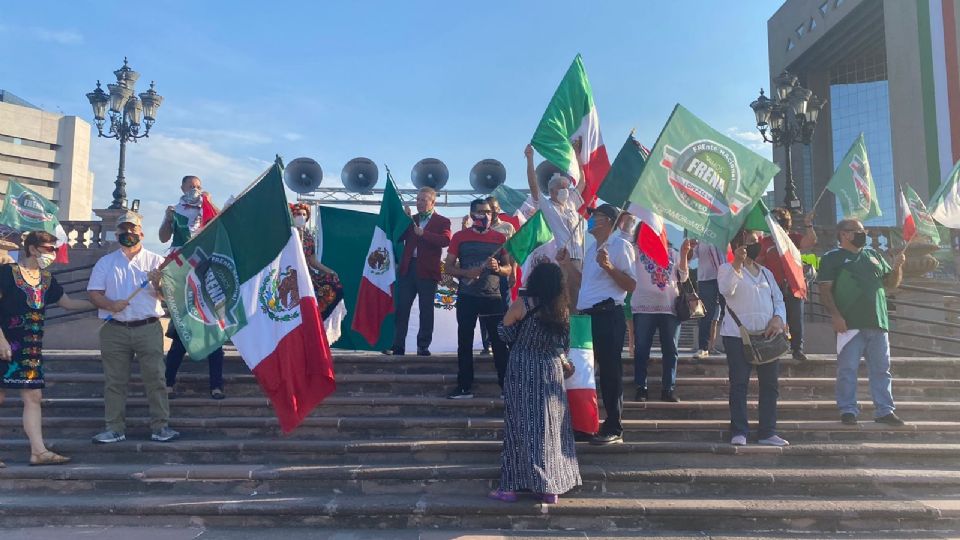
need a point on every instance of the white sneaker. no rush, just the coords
(774, 440)
(701, 354)
(739, 440)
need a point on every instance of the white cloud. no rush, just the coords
(290, 136)
(220, 135)
(752, 140)
(62, 37)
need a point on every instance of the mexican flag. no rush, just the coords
(184, 223)
(570, 114)
(916, 219)
(789, 257)
(515, 204)
(582, 386)
(620, 182)
(757, 218)
(224, 285)
(701, 179)
(26, 210)
(533, 234)
(853, 185)
(375, 297)
(945, 204)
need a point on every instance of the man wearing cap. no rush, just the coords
(608, 275)
(132, 330)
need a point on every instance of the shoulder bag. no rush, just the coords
(759, 349)
(688, 304)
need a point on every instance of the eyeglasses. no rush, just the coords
(46, 249)
(855, 230)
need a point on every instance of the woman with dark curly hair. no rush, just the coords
(26, 289)
(326, 282)
(538, 445)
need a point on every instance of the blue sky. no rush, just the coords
(392, 81)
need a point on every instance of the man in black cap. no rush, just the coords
(608, 275)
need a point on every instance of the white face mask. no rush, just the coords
(192, 194)
(563, 195)
(45, 259)
(300, 221)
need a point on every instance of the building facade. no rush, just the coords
(47, 152)
(888, 69)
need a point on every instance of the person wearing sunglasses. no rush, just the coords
(26, 289)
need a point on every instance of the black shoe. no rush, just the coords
(485, 351)
(392, 352)
(423, 352)
(890, 420)
(580, 436)
(460, 393)
(604, 440)
(799, 356)
(670, 396)
(640, 395)
(848, 418)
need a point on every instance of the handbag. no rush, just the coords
(759, 349)
(688, 304)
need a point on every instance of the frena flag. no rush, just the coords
(582, 385)
(571, 114)
(375, 297)
(244, 277)
(916, 219)
(789, 258)
(945, 204)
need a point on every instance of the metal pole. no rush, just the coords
(790, 199)
(120, 192)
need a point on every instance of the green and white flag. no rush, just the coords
(26, 210)
(916, 219)
(533, 234)
(701, 179)
(945, 204)
(853, 185)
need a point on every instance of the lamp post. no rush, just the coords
(126, 112)
(790, 118)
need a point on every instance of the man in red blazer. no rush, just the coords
(423, 244)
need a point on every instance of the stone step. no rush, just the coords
(474, 428)
(298, 452)
(78, 384)
(419, 406)
(475, 511)
(378, 479)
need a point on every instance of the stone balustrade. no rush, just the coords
(85, 234)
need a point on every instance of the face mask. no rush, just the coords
(753, 250)
(563, 195)
(45, 259)
(300, 221)
(591, 223)
(859, 239)
(785, 224)
(480, 224)
(128, 239)
(192, 195)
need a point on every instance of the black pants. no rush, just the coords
(175, 358)
(505, 295)
(425, 290)
(490, 312)
(794, 308)
(609, 330)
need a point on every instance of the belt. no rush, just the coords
(134, 324)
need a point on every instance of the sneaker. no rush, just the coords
(848, 418)
(799, 356)
(485, 351)
(423, 352)
(890, 420)
(164, 434)
(505, 496)
(739, 440)
(460, 393)
(581, 436)
(603, 440)
(108, 437)
(701, 354)
(393, 352)
(640, 395)
(217, 393)
(670, 396)
(171, 393)
(774, 440)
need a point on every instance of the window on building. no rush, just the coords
(837, 3)
(801, 30)
(790, 45)
(824, 8)
(813, 23)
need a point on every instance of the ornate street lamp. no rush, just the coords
(789, 118)
(127, 113)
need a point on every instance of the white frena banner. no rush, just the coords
(582, 385)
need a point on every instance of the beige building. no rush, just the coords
(47, 152)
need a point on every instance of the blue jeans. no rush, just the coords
(768, 377)
(644, 326)
(710, 295)
(871, 344)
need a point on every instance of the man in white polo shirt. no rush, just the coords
(132, 331)
(608, 274)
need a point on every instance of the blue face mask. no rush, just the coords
(591, 221)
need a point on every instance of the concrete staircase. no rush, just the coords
(388, 451)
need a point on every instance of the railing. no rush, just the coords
(84, 234)
(71, 285)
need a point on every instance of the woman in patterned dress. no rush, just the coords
(538, 446)
(26, 289)
(326, 282)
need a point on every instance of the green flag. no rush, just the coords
(922, 222)
(510, 199)
(852, 183)
(26, 210)
(624, 173)
(701, 179)
(533, 234)
(757, 218)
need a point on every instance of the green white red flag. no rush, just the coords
(572, 114)
(375, 298)
(789, 257)
(582, 385)
(945, 204)
(244, 277)
(853, 184)
(916, 219)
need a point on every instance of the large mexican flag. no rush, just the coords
(582, 385)
(701, 179)
(570, 114)
(916, 219)
(244, 277)
(853, 185)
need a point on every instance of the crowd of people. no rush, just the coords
(529, 336)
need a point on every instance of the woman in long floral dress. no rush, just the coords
(326, 282)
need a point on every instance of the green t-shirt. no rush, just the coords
(857, 286)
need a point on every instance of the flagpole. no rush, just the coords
(814, 207)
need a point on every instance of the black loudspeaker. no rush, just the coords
(487, 175)
(359, 175)
(303, 175)
(546, 170)
(430, 172)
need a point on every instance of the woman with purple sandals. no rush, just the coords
(538, 446)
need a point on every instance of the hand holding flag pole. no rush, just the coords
(170, 258)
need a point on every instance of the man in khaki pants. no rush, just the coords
(133, 331)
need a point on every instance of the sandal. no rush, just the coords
(217, 393)
(550, 498)
(48, 458)
(505, 496)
